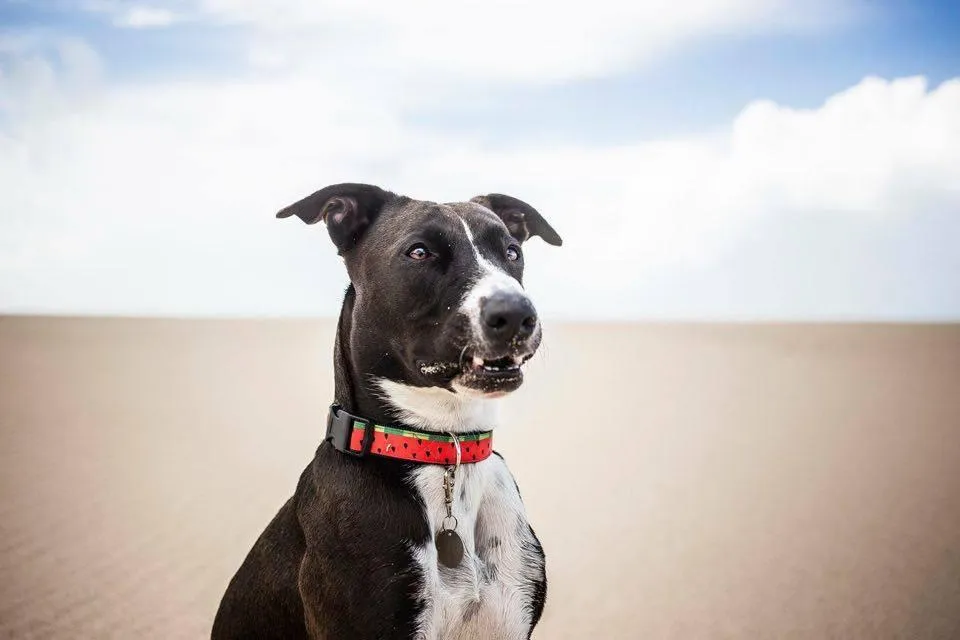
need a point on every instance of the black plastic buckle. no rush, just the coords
(340, 432)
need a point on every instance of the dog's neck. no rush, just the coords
(377, 398)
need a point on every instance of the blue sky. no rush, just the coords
(685, 152)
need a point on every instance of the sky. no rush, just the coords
(702, 159)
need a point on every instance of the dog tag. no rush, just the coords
(449, 548)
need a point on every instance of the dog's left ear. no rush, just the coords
(522, 220)
(347, 209)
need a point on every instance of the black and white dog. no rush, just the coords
(405, 524)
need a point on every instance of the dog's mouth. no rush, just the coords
(472, 362)
(502, 366)
(475, 365)
(490, 375)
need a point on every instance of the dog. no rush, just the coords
(406, 524)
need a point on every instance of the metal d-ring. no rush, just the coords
(456, 446)
(449, 479)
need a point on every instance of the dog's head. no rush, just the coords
(438, 290)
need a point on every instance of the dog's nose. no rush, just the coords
(507, 316)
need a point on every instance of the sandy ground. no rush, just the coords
(687, 481)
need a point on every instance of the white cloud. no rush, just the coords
(43, 77)
(159, 197)
(496, 40)
(138, 17)
(134, 15)
(878, 149)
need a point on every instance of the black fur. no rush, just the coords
(335, 562)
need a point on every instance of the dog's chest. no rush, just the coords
(489, 595)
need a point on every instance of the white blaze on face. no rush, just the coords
(490, 280)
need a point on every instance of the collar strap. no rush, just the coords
(359, 437)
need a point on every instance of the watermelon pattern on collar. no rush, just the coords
(424, 447)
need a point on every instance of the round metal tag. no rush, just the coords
(449, 548)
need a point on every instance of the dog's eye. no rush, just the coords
(418, 252)
(513, 253)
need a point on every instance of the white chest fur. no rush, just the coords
(489, 595)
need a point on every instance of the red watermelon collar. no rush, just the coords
(360, 437)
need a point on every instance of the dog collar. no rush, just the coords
(360, 437)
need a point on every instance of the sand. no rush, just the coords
(687, 481)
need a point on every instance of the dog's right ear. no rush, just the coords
(522, 220)
(347, 209)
